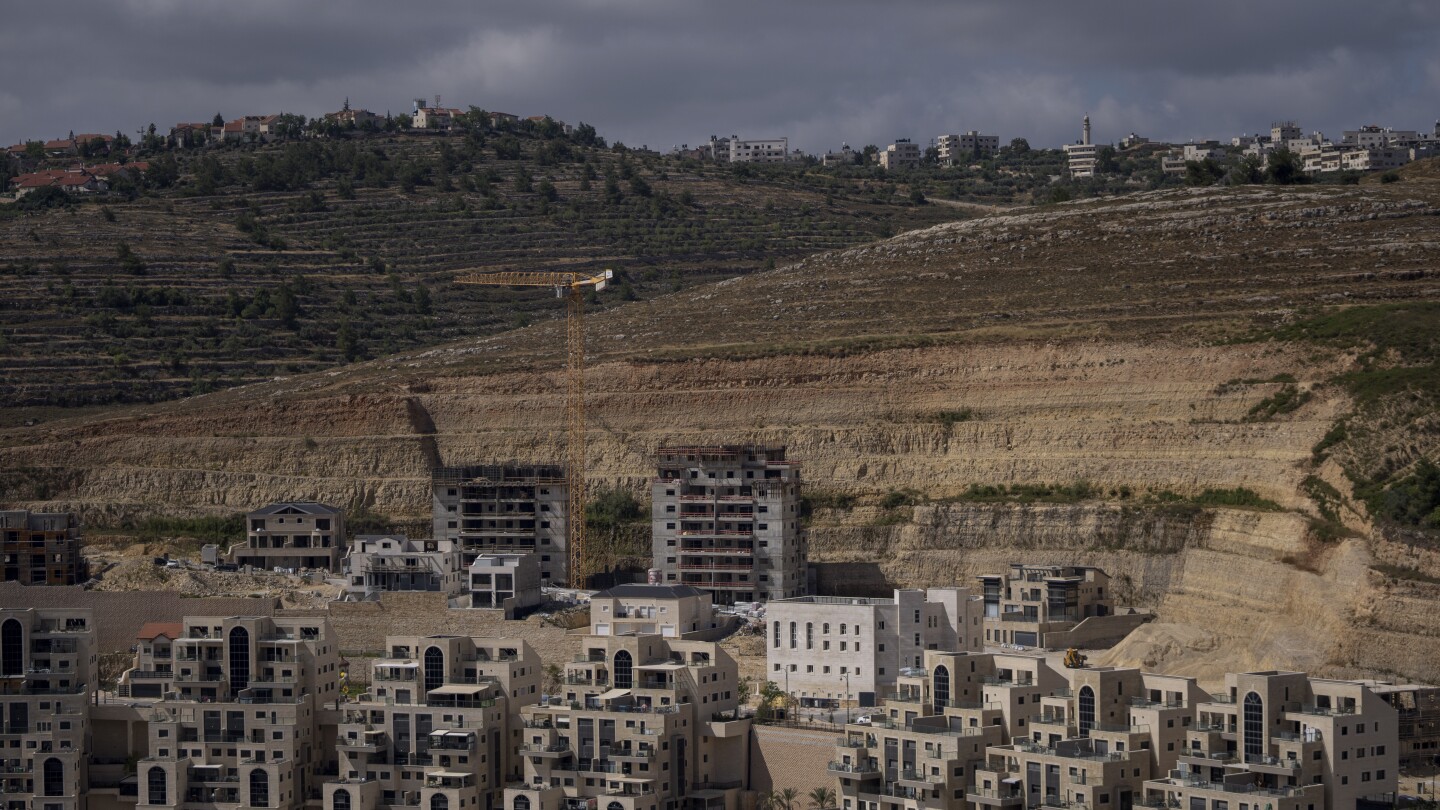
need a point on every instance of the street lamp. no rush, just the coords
(846, 676)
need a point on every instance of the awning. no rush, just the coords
(459, 689)
(613, 694)
(1010, 781)
(449, 733)
(665, 665)
(400, 665)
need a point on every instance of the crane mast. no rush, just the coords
(571, 286)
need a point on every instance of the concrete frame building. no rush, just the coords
(504, 508)
(726, 520)
(376, 563)
(902, 154)
(508, 582)
(1009, 731)
(47, 674)
(829, 649)
(293, 534)
(761, 150)
(1054, 607)
(954, 149)
(645, 723)
(40, 548)
(437, 730)
(239, 722)
(668, 611)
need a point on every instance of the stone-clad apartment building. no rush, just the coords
(991, 730)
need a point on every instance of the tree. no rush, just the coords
(783, 799)
(347, 343)
(1203, 172)
(553, 677)
(821, 798)
(1107, 161)
(770, 692)
(218, 120)
(639, 187)
(1284, 168)
(1019, 146)
(1245, 172)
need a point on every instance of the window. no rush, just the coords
(439, 802)
(54, 777)
(340, 800)
(522, 803)
(809, 635)
(624, 677)
(1254, 725)
(776, 636)
(942, 688)
(1087, 710)
(259, 788)
(239, 660)
(12, 648)
(434, 668)
(155, 785)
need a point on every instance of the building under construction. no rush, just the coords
(727, 521)
(41, 548)
(512, 508)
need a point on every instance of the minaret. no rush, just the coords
(1086, 138)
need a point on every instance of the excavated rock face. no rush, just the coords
(1102, 342)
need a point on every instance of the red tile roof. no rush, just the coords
(152, 630)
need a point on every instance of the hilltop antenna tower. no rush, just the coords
(570, 286)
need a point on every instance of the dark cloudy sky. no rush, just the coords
(666, 72)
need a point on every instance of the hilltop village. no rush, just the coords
(973, 695)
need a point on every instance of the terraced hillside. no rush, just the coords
(1153, 383)
(265, 261)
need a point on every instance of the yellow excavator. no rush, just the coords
(1073, 659)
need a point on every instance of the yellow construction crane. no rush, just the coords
(570, 286)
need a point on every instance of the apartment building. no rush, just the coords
(47, 675)
(845, 157)
(376, 563)
(761, 150)
(900, 155)
(508, 582)
(294, 534)
(240, 717)
(504, 508)
(439, 727)
(1114, 737)
(644, 723)
(826, 650)
(1053, 607)
(41, 548)
(152, 673)
(669, 611)
(956, 149)
(726, 520)
(1287, 741)
(1418, 708)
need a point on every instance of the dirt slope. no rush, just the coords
(1093, 342)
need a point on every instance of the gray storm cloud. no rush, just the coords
(666, 72)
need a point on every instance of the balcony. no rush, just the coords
(629, 754)
(869, 769)
(921, 779)
(987, 797)
(548, 751)
(1272, 764)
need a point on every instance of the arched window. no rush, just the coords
(809, 635)
(259, 788)
(1087, 710)
(340, 800)
(155, 785)
(239, 659)
(793, 632)
(776, 634)
(12, 648)
(842, 629)
(434, 668)
(1254, 725)
(623, 677)
(942, 688)
(54, 777)
(439, 802)
(615, 806)
(522, 803)
(825, 629)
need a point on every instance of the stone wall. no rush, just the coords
(790, 757)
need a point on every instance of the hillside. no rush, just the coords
(1151, 383)
(258, 261)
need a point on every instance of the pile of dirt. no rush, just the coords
(142, 574)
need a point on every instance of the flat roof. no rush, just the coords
(638, 591)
